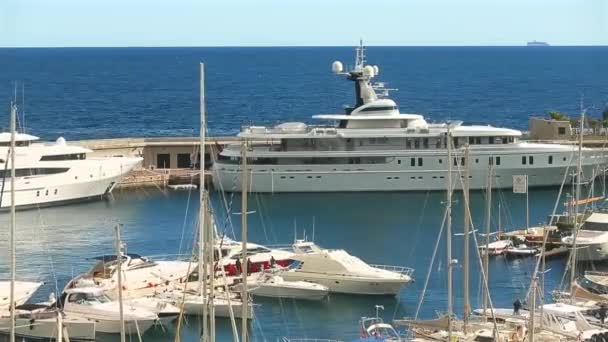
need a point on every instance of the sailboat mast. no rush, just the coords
(466, 229)
(579, 172)
(486, 256)
(202, 247)
(13, 224)
(244, 260)
(449, 232)
(119, 272)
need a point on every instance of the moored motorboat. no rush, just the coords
(269, 284)
(344, 273)
(521, 250)
(24, 290)
(496, 247)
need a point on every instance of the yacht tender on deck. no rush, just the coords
(375, 147)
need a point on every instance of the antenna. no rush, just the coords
(313, 228)
(378, 308)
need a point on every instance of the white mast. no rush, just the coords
(202, 246)
(466, 229)
(244, 263)
(119, 271)
(579, 172)
(13, 223)
(449, 232)
(486, 257)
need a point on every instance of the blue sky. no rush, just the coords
(301, 22)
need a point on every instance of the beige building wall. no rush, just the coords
(548, 129)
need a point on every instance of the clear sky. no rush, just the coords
(301, 22)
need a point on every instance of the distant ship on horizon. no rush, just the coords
(537, 43)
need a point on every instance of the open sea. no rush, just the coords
(122, 92)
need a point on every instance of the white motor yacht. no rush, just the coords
(375, 147)
(260, 257)
(592, 238)
(138, 273)
(269, 284)
(193, 303)
(92, 304)
(24, 290)
(57, 173)
(344, 273)
(35, 321)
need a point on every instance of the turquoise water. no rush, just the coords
(385, 228)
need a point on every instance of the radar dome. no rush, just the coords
(368, 70)
(336, 67)
(376, 70)
(60, 141)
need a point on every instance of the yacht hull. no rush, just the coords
(270, 291)
(46, 328)
(385, 177)
(350, 285)
(79, 184)
(592, 252)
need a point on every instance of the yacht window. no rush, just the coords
(531, 160)
(478, 140)
(462, 161)
(491, 140)
(71, 156)
(438, 143)
(505, 140)
(455, 161)
(419, 161)
(440, 161)
(476, 160)
(511, 139)
(497, 160)
(471, 140)
(490, 160)
(456, 142)
(523, 160)
(34, 172)
(408, 143)
(550, 159)
(378, 108)
(412, 161)
(417, 143)
(425, 142)
(398, 161)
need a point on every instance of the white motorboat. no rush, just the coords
(138, 273)
(375, 147)
(24, 290)
(497, 247)
(260, 257)
(193, 303)
(521, 250)
(341, 272)
(165, 311)
(592, 238)
(375, 329)
(92, 304)
(56, 173)
(40, 322)
(269, 284)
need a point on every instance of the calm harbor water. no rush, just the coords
(389, 228)
(107, 92)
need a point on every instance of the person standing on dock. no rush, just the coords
(602, 313)
(516, 306)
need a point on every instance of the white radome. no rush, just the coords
(337, 67)
(368, 71)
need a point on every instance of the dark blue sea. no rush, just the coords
(98, 93)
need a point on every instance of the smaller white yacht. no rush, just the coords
(269, 284)
(56, 173)
(24, 290)
(92, 304)
(344, 273)
(497, 247)
(139, 272)
(260, 257)
(592, 238)
(193, 303)
(375, 329)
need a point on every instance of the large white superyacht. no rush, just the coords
(56, 172)
(374, 147)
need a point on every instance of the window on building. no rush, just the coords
(183, 161)
(531, 160)
(523, 160)
(561, 130)
(163, 161)
(550, 160)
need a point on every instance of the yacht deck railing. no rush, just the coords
(403, 270)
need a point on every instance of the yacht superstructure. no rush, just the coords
(55, 173)
(375, 147)
(592, 238)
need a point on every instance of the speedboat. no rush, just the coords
(57, 173)
(139, 272)
(192, 303)
(92, 304)
(260, 257)
(269, 284)
(35, 321)
(341, 272)
(521, 250)
(497, 247)
(24, 290)
(375, 329)
(166, 312)
(591, 239)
